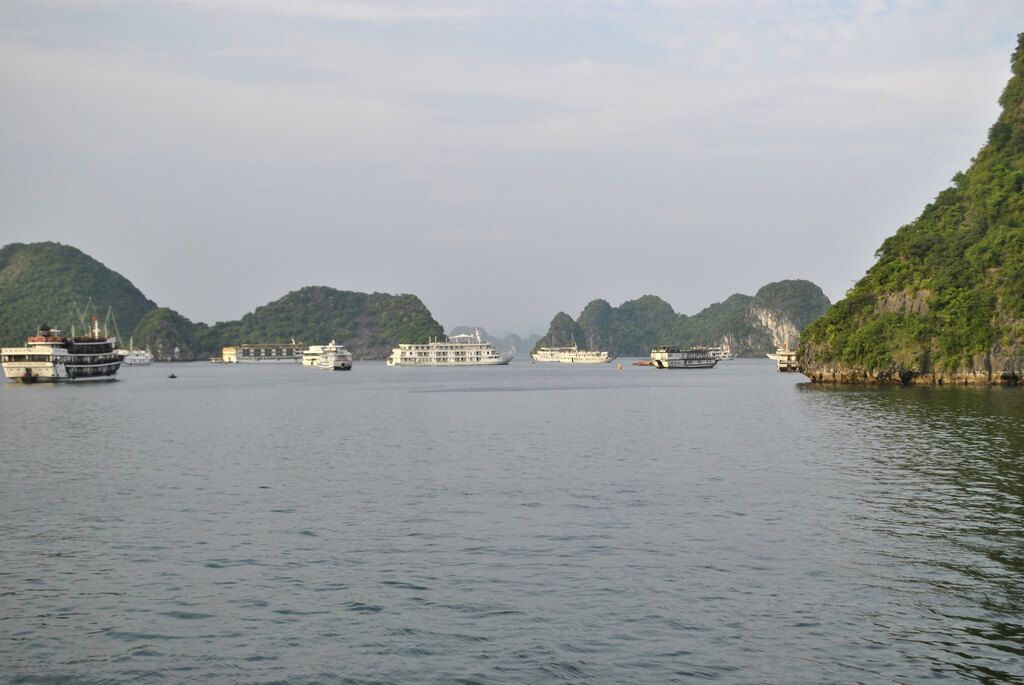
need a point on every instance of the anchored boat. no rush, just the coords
(332, 356)
(467, 349)
(785, 358)
(50, 357)
(134, 357)
(676, 357)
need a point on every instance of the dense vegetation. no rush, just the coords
(562, 332)
(169, 335)
(368, 324)
(750, 325)
(946, 296)
(41, 283)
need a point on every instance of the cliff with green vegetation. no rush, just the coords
(169, 336)
(369, 325)
(944, 303)
(749, 325)
(42, 282)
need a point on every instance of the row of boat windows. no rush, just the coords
(65, 359)
(443, 354)
(269, 353)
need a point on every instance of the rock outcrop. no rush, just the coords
(944, 303)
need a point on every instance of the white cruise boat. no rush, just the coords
(550, 354)
(134, 357)
(722, 353)
(785, 358)
(333, 357)
(311, 355)
(467, 349)
(50, 357)
(675, 357)
(585, 357)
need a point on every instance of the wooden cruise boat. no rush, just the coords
(677, 357)
(49, 357)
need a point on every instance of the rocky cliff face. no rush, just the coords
(997, 366)
(783, 332)
(944, 303)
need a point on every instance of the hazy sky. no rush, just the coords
(502, 160)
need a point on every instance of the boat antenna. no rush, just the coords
(111, 317)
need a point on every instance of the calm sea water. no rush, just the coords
(529, 523)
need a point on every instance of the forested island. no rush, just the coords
(944, 303)
(749, 325)
(39, 282)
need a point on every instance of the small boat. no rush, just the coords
(172, 376)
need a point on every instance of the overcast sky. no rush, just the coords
(502, 160)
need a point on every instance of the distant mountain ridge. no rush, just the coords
(39, 282)
(944, 303)
(749, 325)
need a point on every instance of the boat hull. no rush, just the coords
(458, 350)
(428, 362)
(678, 357)
(683, 364)
(572, 359)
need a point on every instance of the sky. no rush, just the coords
(504, 161)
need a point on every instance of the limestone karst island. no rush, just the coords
(944, 303)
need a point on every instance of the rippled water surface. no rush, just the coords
(529, 523)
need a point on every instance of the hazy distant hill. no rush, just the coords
(40, 282)
(750, 325)
(945, 301)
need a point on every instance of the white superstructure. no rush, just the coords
(48, 356)
(785, 358)
(722, 352)
(467, 349)
(134, 357)
(585, 357)
(675, 357)
(262, 353)
(550, 354)
(332, 357)
(311, 355)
